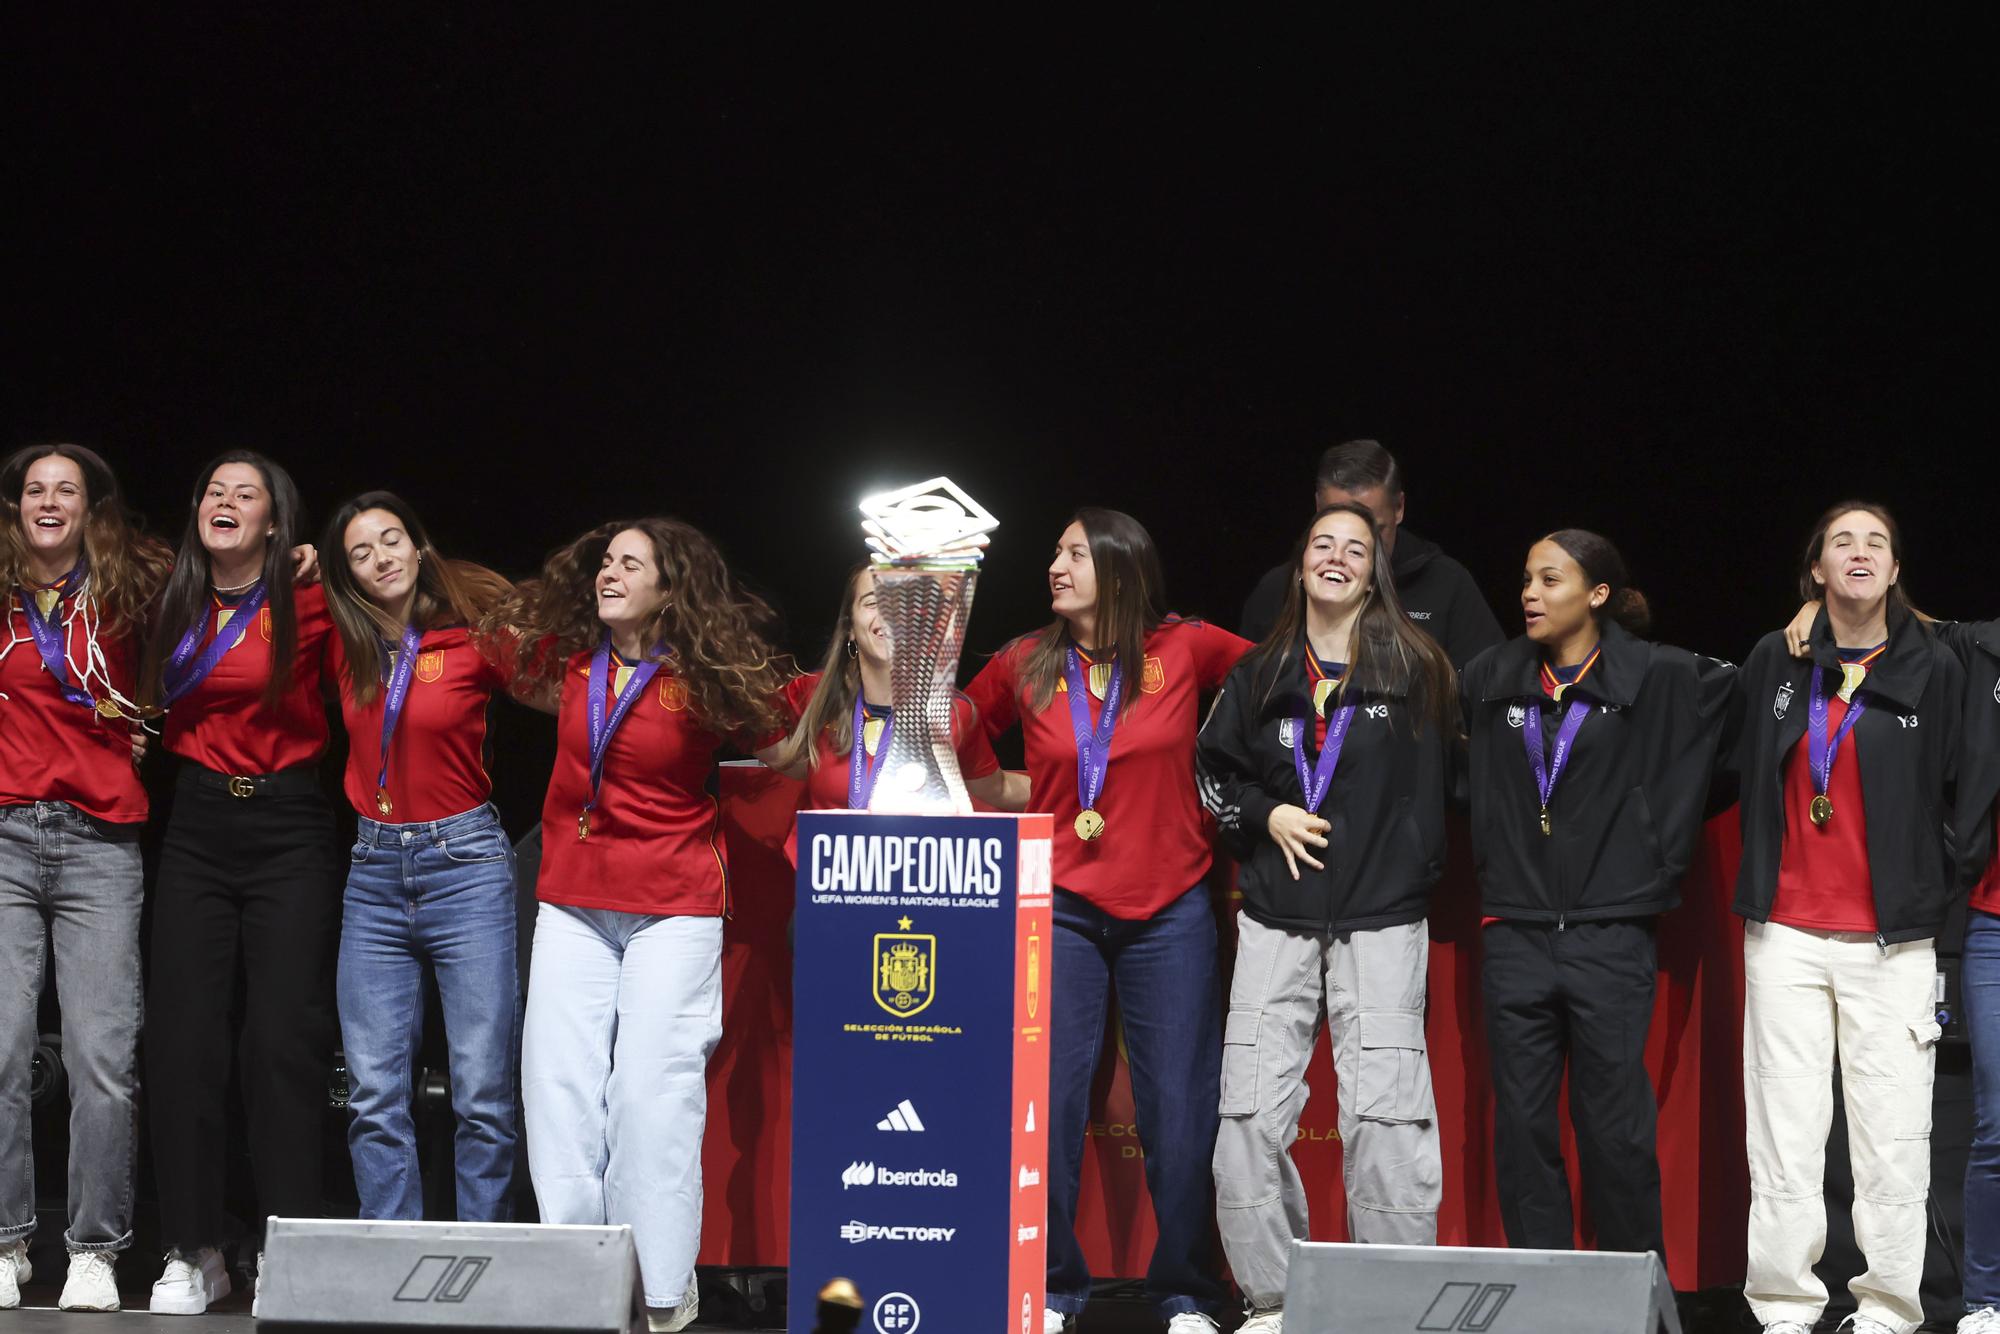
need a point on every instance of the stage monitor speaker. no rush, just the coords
(1335, 1288)
(486, 1276)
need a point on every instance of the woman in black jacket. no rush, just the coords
(1591, 752)
(1845, 761)
(1325, 761)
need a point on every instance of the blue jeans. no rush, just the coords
(1170, 1000)
(440, 893)
(77, 878)
(1980, 984)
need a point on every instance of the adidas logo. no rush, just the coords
(903, 1117)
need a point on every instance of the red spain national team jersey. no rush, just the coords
(222, 723)
(437, 759)
(1824, 883)
(655, 844)
(825, 788)
(1155, 844)
(1986, 894)
(53, 750)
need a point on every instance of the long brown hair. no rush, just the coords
(1898, 604)
(126, 567)
(448, 592)
(715, 630)
(1131, 603)
(185, 600)
(831, 708)
(1391, 655)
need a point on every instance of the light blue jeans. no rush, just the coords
(440, 892)
(623, 1013)
(77, 878)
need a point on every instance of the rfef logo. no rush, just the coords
(442, 1278)
(897, 1313)
(1471, 1307)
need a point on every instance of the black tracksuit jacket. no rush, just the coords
(1628, 807)
(1386, 802)
(1978, 650)
(1907, 745)
(1438, 593)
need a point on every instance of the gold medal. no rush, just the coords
(1100, 678)
(583, 826)
(1547, 828)
(48, 599)
(1852, 674)
(108, 708)
(620, 675)
(1557, 694)
(1089, 825)
(1322, 690)
(871, 735)
(1821, 810)
(382, 802)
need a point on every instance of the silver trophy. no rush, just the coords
(926, 542)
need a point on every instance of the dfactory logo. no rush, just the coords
(858, 1232)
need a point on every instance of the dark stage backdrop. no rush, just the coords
(1681, 278)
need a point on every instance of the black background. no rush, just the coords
(1683, 279)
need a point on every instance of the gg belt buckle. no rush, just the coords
(239, 786)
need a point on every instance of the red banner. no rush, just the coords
(1694, 1054)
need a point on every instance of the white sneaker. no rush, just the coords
(14, 1271)
(1865, 1324)
(1192, 1322)
(1986, 1320)
(191, 1283)
(92, 1284)
(676, 1318)
(1788, 1327)
(1054, 1322)
(1264, 1322)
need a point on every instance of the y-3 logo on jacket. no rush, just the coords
(1783, 702)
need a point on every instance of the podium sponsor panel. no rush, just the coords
(920, 1067)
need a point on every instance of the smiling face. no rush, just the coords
(381, 556)
(234, 518)
(1339, 565)
(54, 503)
(1557, 597)
(1857, 561)
(1072, 575)
(629, 594)
(871, 636)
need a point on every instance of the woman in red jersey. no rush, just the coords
(658, 660)
(1108, 699)
(431, 876)
(246, 869)
(848, 697)
(77, 577)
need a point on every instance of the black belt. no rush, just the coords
(302, 781)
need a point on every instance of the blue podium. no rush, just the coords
(920, 1069)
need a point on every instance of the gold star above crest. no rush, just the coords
(903, 923)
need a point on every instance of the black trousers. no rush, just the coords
(1582, 996)
(251, 881)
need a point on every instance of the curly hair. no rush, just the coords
(126, 566)
(714, 630)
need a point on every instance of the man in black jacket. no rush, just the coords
(1437, 592)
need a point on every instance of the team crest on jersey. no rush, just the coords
(673, 694)
(1517, 715)
(1288, 733)
(905, 971)
(1153, 679)
(264, 623)
(430, 665)
(1783, 702)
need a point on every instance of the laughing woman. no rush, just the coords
(431, 877)
(1108, 698)
(658, 660)
(77, 578)
(1845, 761)
(247, 878)
(1347, 678)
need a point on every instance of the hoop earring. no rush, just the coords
(852, 650)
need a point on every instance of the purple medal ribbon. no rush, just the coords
(180, 677)
(1546, 773)
(395, 694)
(1820, 748)
(1093, 745)
(602, 726)
(49, 642)
(861, 775)
(1315, 783)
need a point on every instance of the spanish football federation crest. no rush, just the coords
(905, 970)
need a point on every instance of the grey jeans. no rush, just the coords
(1369, 987)
(64, 873)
